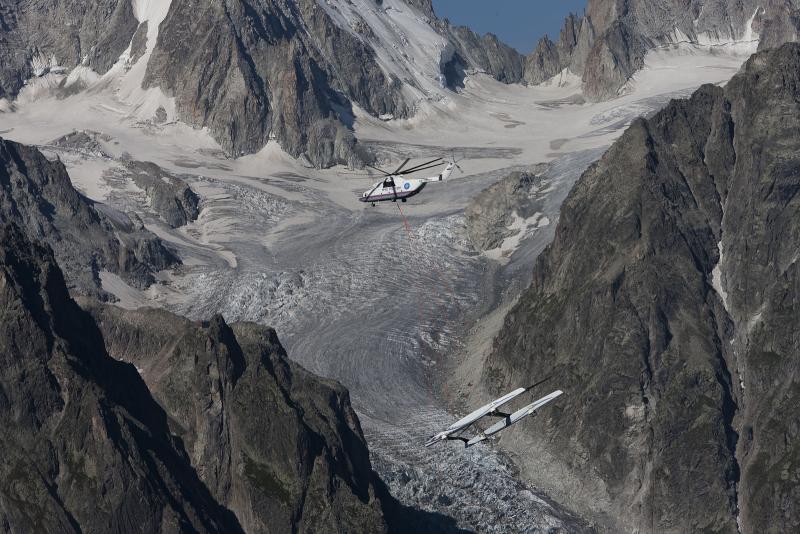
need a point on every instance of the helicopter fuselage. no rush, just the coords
(393, 189)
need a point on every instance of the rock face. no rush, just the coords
(278, 446)
(169, 196)
(543, 63)
(489, 216)
(608, 44)
(268, 67)
(549, 58)
(87, 237)
(87, 142)
(781, 26)
(85, 448)
(230, 437)
(139, 43)
(75, 32)
(484, 53)
(666, 309)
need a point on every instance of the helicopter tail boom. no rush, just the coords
(444, 175)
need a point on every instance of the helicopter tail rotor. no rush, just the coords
(455, 161)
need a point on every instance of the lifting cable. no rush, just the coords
(441, 278)
(412, 243)
(436, 269)
(446, 388)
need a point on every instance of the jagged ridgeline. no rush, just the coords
(296, 71)
(667, 307)
(258, 70)
(88, 237)
(607, 44)
(293, 71)
(143, 421)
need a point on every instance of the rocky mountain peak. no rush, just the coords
(607, 45)
(278, 446)
(663, 306)
(87, 448)
(296, 72)
(37, 195)
(121, 421)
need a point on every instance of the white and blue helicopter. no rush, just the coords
(492, 410)
(394, 186)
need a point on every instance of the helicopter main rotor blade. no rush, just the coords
(377, 169)
(418, 167)
(400, 168)
(455, 162)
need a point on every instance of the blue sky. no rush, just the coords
(519, 23)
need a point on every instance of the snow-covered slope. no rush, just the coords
(607, 45)
(128, 72)
(405, 43)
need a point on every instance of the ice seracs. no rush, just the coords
(39, 65)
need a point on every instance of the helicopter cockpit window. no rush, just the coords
(389, 182)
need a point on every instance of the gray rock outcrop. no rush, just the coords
(139, 42)
(484, 53)
(87, 237)
(782, 25)
(548, 58)
(666, 309)
(87, 142)
(168, 195)
(543, 63)
(269, 68)
(491, 212)
(607, 45)
(276, 445)
(230, 436)
(75, 32)
(85, 448)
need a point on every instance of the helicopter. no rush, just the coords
(396, 187)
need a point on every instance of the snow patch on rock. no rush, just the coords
(716, 280)
(146, 102)
(406, 45)
(745, 44)
(565, 79)
(522, 228)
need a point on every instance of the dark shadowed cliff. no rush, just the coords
(143, 421)
(87, 237)
(281, 448)
(667, 309)
(85, 448)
